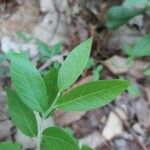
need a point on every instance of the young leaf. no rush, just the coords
(90, 63)
(96, 72)
(128, 50)
(28, 83)
(2, 57)
(10, 145)
(25, 54)
(46, 51)
(141, 48)
(74, 65)
(51, 84)
(43, 48)
(134, 90)
(135, 3)
(24, 36)
(57, 139)
(119, 15)
(91, 95)
(147, 72)
(85, 148)
(21, 115)
(56, 49)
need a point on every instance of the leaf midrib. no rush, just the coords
(30, 88)
(71, 101)
(52, 87)
(59, 139)
(26, 120)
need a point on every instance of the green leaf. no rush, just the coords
(21, 115)
(46, 51)
(28, 83)
(43, 48)
(147, 72)
(56, 49)
(119, 15)
(141, 47)
(90, 63)
(57, 139)
(86, 148)
(56, 64)
(69, 131)
(91, 95)
(25, 54)
(10, 145)
(127, 49)
(134, 90)
(74, 65)
(24, 36)
(2, 57)
(135, 3)
(51, 84)
(96, 72)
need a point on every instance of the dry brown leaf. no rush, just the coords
(147, 91)
(24, 18)
(117, 65)
(93, 140)
(143, 112)
(138, 68)
(64, 118)
(114, 125)
(5, 123)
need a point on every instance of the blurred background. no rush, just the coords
(47, 30)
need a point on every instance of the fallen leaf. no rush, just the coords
(143, 112)
(64, 118)
(122, 144)
(117, 65)
(138, 68)
(24, 18)
(114, 125)
(147, 91)
(5, 123)
(124, 35)
(93, 140)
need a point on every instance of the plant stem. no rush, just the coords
(40, 128)
(39, 136)
(53, 104)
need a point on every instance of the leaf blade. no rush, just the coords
(21, 115)
(57, 139)
(24, 37)
(91, 95)
(74, 64)
(141, 48)
(28, 83)
(9, 145)
(50, 80)
(43, 48)
(119, 15)
(84, 147)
